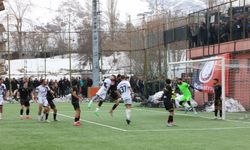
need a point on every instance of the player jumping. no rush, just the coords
(114, 94)
(102, 93)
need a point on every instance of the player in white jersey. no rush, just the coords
(102, 93)
(2, 96)
(126, 92)
(40, 97)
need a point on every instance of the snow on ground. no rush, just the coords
(58, 67)
(232, 105)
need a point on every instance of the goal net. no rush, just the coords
(233, 76)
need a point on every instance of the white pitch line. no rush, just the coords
(192, 115)
(192, 129)
(92, 111)
(95, 123)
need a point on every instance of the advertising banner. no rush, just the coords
(205, 74)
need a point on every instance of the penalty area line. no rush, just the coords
(95, 123)
(189, 115)
(191, 129)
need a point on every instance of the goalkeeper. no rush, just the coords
(187, 96)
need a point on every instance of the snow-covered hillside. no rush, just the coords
(187, 6)
(179, 6)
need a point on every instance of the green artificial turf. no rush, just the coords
(148, 130)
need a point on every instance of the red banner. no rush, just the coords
(208, 71)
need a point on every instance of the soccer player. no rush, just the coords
(126, 92)
(102, 93)
(217, 99)
(168, 103)
(25, 95)
(50, 98)
(114, 94)
(187, 96)
(2, 96)
(40, 96)
(75, 99)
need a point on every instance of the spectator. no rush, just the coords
(203, 34)
(224, 32)
(195, 33)
(89, 83)
(14, 85)
(189, 35)
(212, 31)
(7, 83)
(237, 29)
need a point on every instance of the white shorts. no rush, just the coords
(102, 94)
(127, 101)
(43, 101)
(1, 101)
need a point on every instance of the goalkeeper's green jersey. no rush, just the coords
(184, 88)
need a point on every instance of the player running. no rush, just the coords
(75, 101)
(102, 93)
(3, 97)
(25, 94)
(187, 96)
(126, 92)
(40, 96)
(168, 103)
(50, 98)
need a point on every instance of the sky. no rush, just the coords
(44, 8)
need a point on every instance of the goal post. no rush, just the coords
(177, 69)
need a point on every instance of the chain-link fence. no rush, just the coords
(142, 48)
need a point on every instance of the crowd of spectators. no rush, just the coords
(202, 34)
(63, 85)
(140, 87)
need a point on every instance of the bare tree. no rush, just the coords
(18, 10)
(113, 17)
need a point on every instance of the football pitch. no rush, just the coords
(148, 130)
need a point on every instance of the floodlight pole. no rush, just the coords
(44, 55)
(70, 51)
(8, 47)
(95, 44)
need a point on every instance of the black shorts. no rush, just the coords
(76, 106)
(169, 105)
(51, 104)
(25, 103)
(114, 96)
(218, 103)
